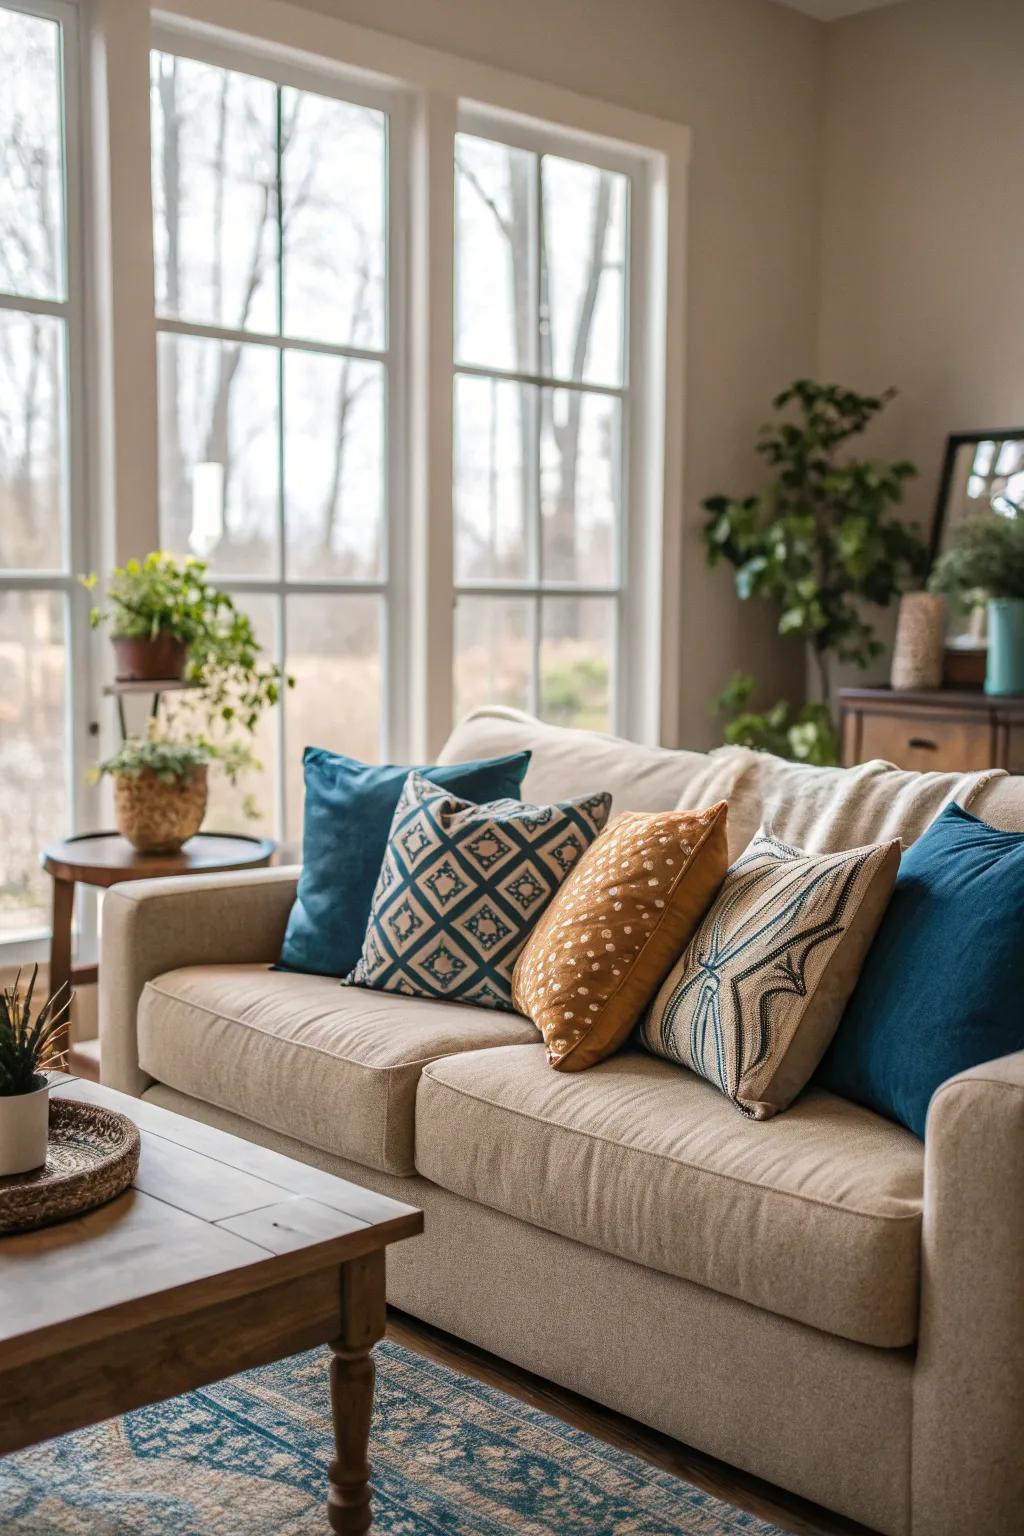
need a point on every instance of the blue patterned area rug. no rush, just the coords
(248, 1457)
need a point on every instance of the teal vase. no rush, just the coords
(1005, 670)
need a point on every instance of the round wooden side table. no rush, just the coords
(104, 859)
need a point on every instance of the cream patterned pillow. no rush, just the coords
(758, 993)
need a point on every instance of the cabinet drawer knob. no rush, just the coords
(922, 744)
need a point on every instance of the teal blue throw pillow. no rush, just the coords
(348, 812)
(941, 988)
(462, 886)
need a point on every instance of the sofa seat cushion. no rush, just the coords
(299, 1054)
(814, 1215)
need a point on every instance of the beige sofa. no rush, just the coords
(819, 1298)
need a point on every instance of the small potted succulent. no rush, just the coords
(984, 568)
(28, 1049)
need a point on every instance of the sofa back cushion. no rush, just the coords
(567, 763)
(803, 805)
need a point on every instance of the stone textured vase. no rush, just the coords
(920, 638)
(24, 1130)
(1005, 669)
(155, 816)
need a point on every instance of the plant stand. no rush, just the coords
(103, 859)
(120, 691)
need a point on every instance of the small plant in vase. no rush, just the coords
(29, 1047)
(985, 569)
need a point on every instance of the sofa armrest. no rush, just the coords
(968, 1469)
(152, 926)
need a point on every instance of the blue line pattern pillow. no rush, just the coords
(757, 995)
(461, 887)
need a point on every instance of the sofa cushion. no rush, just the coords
(815, 1215)
(301, 1055)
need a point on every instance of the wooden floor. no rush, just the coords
(750, 1493)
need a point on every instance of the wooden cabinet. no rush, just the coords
(944, 730)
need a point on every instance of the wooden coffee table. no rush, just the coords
(221, 1257)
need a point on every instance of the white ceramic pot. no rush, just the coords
(24, 1130)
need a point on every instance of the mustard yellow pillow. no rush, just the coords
(615, 928)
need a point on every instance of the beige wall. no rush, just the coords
(923, 220)
(745, 76)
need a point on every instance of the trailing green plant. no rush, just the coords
(807, 734)
(985, 560)
(164, 595)
(27, 1044)
(171, 761)
(821, 539)
(174, 762)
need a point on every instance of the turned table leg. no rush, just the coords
(63, 910)
(363, 1316)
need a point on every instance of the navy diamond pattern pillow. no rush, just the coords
(461, 887)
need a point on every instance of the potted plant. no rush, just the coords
(27, 1051)
(168, 621)
(160, 779)
(984, 568)
(821, 540)
(160, 790)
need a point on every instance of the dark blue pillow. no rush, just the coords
(941, 988)
(348, 812)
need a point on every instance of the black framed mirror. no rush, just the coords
(982, 473)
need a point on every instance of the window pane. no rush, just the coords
(576, 661)
(226, 809)
(214, 194)
(34, 802)
(584, 263)
(334, 474)
(219, 452)
(333, 172)
(334, 655)
(494, 488)
(581, 444)
(493, 651)
(495, 254)
(31, 158)
(33, 433)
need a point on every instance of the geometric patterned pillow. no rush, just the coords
(462, 885)
(754, 1000)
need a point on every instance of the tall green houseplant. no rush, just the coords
(822, 538)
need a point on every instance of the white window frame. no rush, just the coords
(625, 687)
(78, 683)
(428, 94)
(445, 92)
(242, 56)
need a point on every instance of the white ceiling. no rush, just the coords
(832, 10)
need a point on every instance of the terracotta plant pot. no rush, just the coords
(157, 817)
(24, 1130)
(160, 659)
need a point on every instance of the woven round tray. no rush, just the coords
(93, 1156)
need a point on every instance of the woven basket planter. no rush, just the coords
(157, 817)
